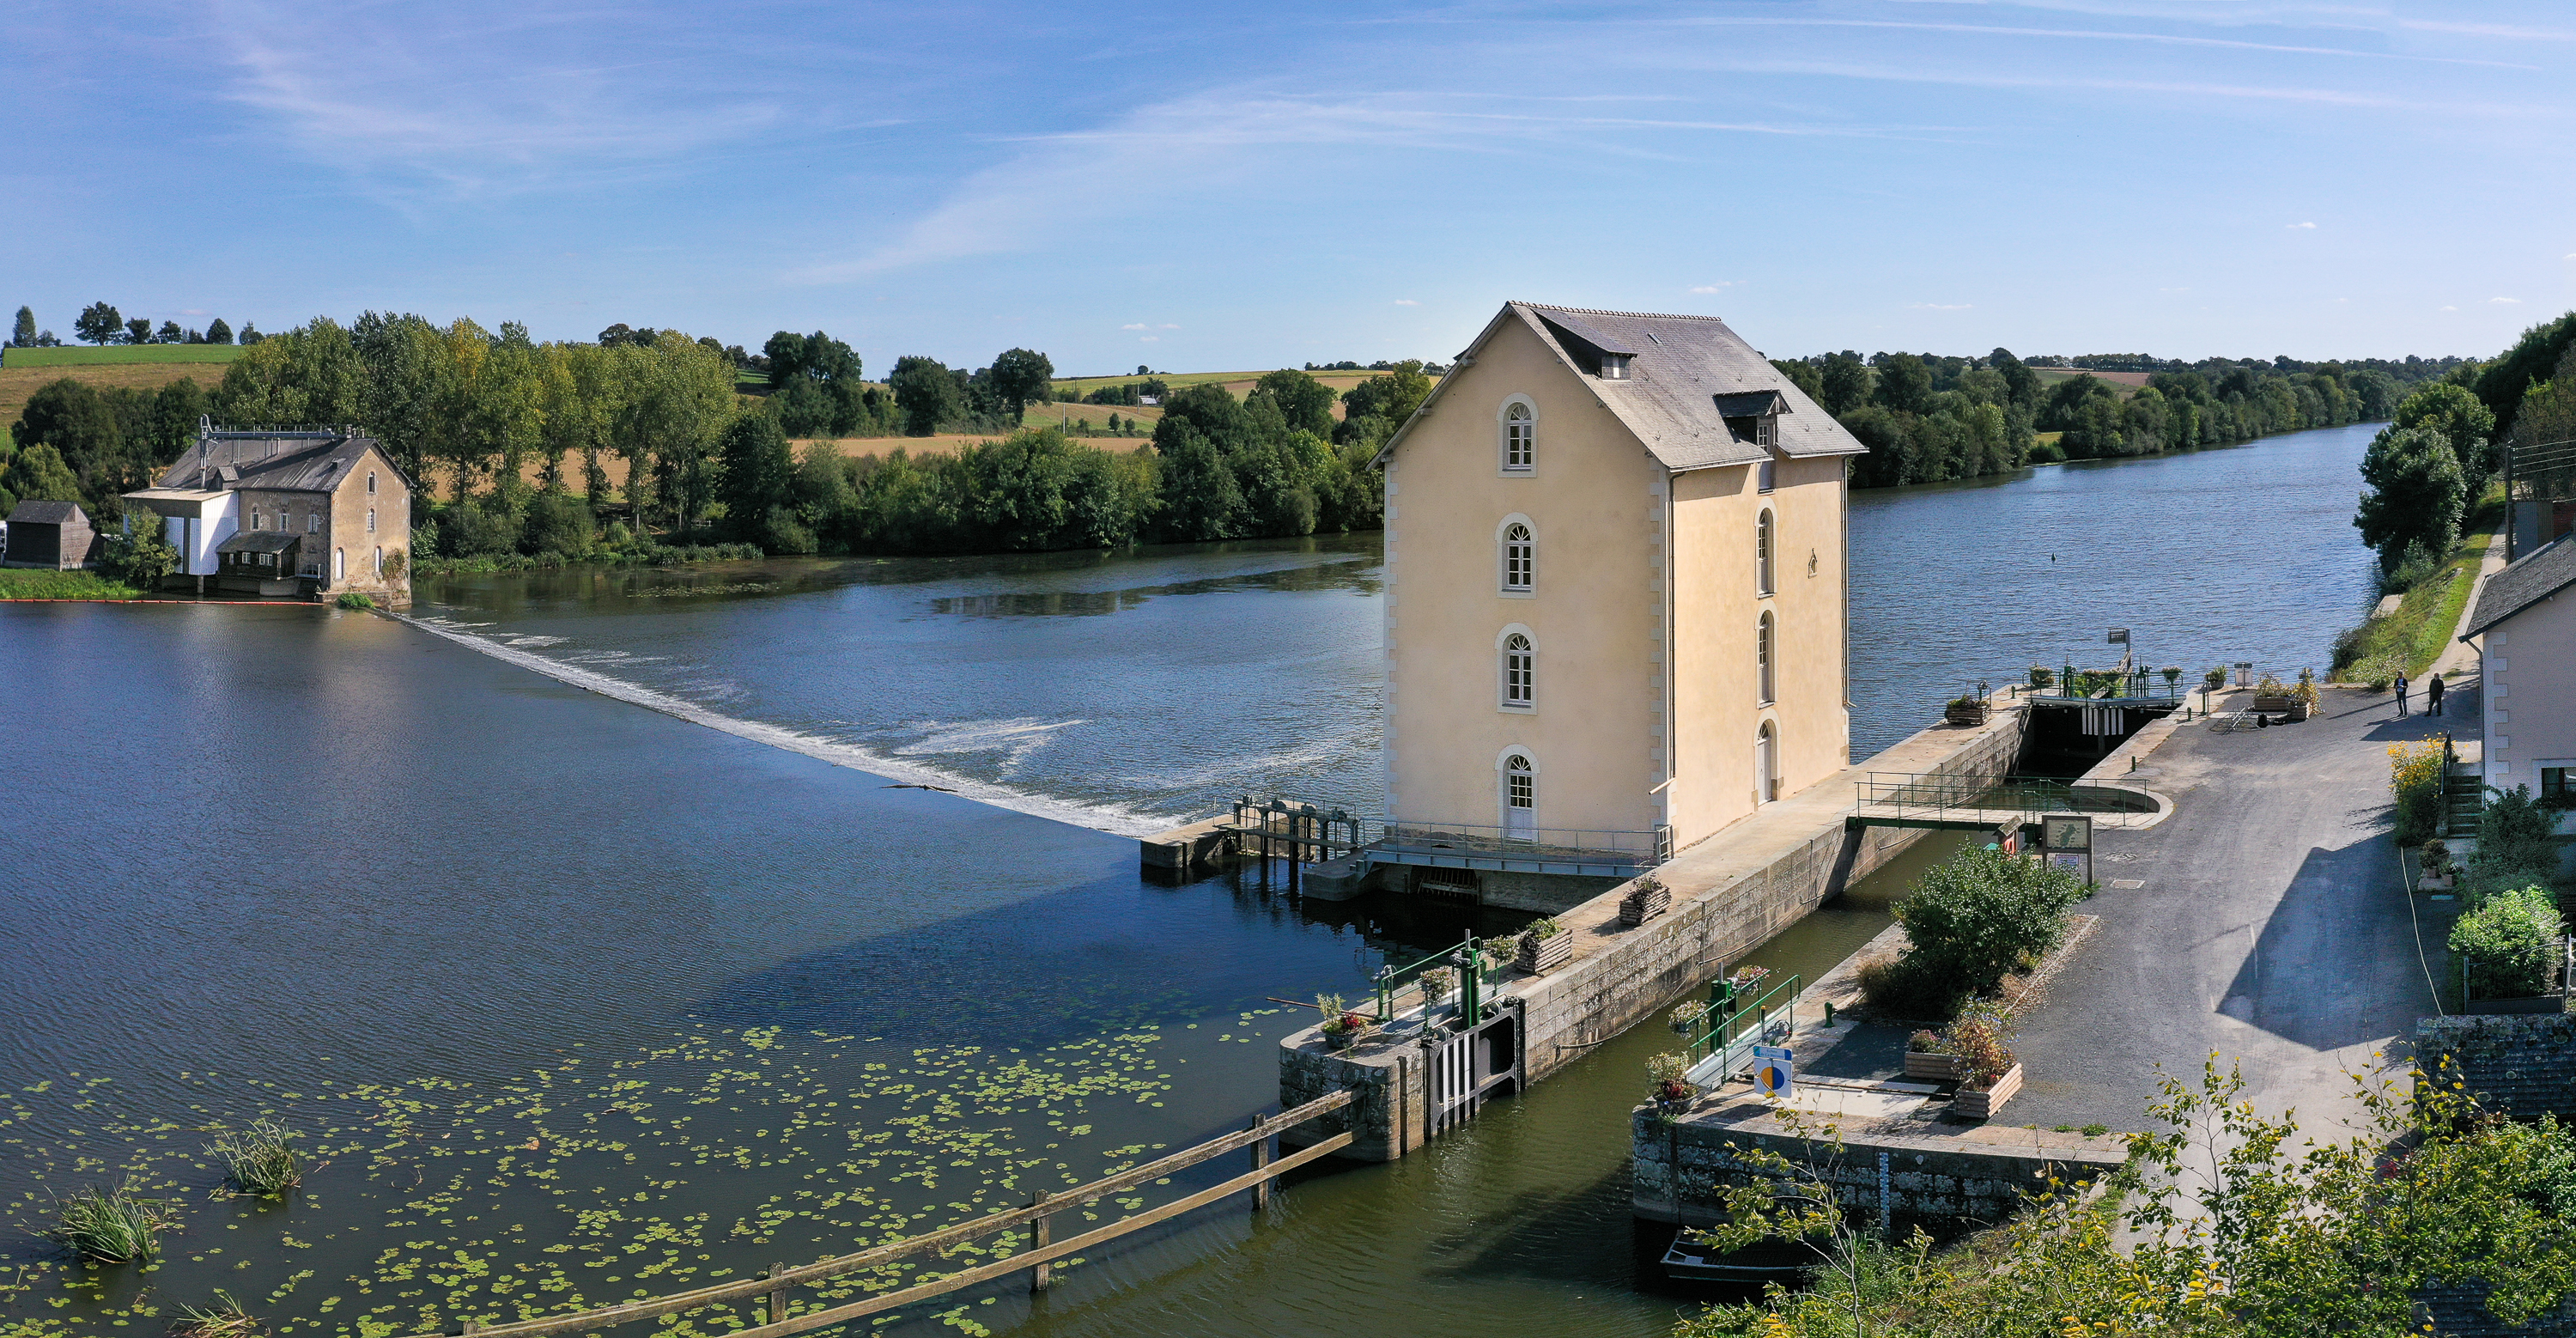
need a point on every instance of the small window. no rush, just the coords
(313, 522)
(1520, 437)
(1762, 657)
(1614, 366)
(380, 561)
(2554, 788)
(1767, 474)
(254, 520)
(1520, 559)
(371, 483)
(339, 563)
(1762, 547)
(1520, 673)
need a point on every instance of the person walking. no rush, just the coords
(2401, 694)
(2433, 695)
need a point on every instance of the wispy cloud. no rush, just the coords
(2504, 31)
(2296, 226)
(1406, 302)
(1718, 287)
(2507, 301)
(2450, 308)
(1939, 306)
(2094, 35)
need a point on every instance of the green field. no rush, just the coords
(115, 354)
(36, 583)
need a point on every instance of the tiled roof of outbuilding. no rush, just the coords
(1686, 374)
(46, 513)
(2532, 578)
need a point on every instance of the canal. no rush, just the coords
(576, 1001)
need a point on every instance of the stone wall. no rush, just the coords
(1681, 1167)
(2522, 1066)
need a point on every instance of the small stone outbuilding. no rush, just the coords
(56, 536)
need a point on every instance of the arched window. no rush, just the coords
(371, 525)
(371, 483)
(1519, 558)
(380, 561)
(339, 564)
(1520, 435)
(254, 520)
(1519, 670)
(1520, 797)
(1763, 655)
(1763, 545)
(1766, 764)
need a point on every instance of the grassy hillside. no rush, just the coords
(18, 383)
(117, 355)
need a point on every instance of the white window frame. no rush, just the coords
(1504, 773)
(1766, 553)
(1528, 559)
(380, 562)
(1504, 461)
(1504, 670)
(313, 521)
(371, 520)
(1766, 657)
(339, 564)
(1614, 366)
(1766, 475)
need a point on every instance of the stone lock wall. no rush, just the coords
(1681, 1168)
(2522, 1066)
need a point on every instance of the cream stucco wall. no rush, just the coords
(1718, 602)
(2527, 676)
(1596, 501)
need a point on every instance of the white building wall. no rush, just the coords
(197, 536)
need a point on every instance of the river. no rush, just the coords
(574, 1000)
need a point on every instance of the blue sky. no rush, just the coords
(1235, 186)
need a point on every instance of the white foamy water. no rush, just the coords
(1108, 818)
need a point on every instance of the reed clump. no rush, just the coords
(224, 1319)
(261, 1161)
(116, 1225)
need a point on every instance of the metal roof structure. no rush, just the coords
(259, 541)
(1685, 377)
(38, 512)
(297, 461)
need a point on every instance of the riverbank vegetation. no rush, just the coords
(1970, 921)
(34, 583)
(2225, 1223)
(1929, 417)
(2432, 597)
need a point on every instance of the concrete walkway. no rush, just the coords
(2264, 922)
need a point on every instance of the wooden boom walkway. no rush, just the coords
(776, 1284)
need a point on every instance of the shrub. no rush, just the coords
(1908, 988)
(115, 1225)
(1983, 913)
(2214, 677)
(1542, 929)
(1664, 1077)
(1436, 983)
(2042, 677)
(354, 600)
(1983, 1036)
(261, 1160)
(2415, 782)
(2508, 942)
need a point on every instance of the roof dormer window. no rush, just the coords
(1614, 366)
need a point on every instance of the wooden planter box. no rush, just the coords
(1545, 954)
(1935, 1068)
(1957, 714)
(1973, 1105)
(1644, 904)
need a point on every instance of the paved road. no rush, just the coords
(2270, 926)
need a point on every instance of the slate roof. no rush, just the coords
(46, 513)
(294, 464)
(259, 541)
(1686, 374)
(2532, 578)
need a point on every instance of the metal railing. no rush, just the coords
(1932, 795)
(1728, 1043)
(1465, 959)
(2112, 685)
(1645, 849)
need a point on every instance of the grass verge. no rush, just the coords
(30, 583)
(119, 353)
(2421, 628)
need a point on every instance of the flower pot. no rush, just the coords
(1971, 1104)
(1344, 1040)
(1965, 714)
(1935, 1068)
(1545, 954)
(1642, 905)
(2276, 705)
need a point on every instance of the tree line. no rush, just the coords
(102, 324)
(510, 443)
(1928, 417)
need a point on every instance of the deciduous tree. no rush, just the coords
(1021, 377)
(99, 323)
(2417, 494)
(24, 336)
(926, 393)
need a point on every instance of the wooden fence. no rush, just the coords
(780, 1281)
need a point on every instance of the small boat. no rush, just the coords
(1764, 1261)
